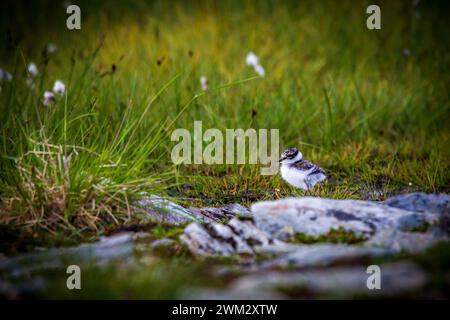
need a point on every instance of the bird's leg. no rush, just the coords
(308, 189)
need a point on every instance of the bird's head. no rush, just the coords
(290, 155)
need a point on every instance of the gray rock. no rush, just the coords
(421, 202)
(200, 242)
(119, 247)
(224, 294)
(20, 289)
(317, 216)
(209, 214)
(396, 279)
(412, 222)
(236, 237)
(220, 214)
(322, 255)
(414, 242)
(154, 208)
(237, 210)
(162, 243)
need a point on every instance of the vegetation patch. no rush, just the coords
(339, 235)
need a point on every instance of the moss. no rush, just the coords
(423, 228)
(160, 231)
(339, 235)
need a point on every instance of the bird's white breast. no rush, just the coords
(294, 177)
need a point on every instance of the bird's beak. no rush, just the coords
(282, 158)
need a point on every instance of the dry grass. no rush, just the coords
(42, 195)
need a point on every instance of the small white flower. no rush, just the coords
(49, 98)
(204, 83)
(51, 48)
(259, 70)
(5, 75)
(59, 87)
(32, 69)
(252, 59)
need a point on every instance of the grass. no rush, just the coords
(351, 99)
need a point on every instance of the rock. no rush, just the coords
(154, 208)
(414, 242)
(395, 278)
(158, 248)
(209, 214)
(200, 242)
(162, 243)
(236, 237)
(237, 210)
(119, 247)
(412, 222)
(421, 202)
(21, 289)
(220, 214)
(436, 204)
(20, 275)
(322, 255)
(444, 223)
(344, 282)
(317, 216)
(218, 294)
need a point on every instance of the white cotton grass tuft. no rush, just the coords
(32, 72)
(49, 98)
(252, 60)
(5, 75)
(259, 70)
(204, 83)
(32, 69)
(59, 88)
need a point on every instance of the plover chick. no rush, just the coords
(298, 172)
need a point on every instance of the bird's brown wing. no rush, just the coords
(317, 170)
(305, 165)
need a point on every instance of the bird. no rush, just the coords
(298, 172)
